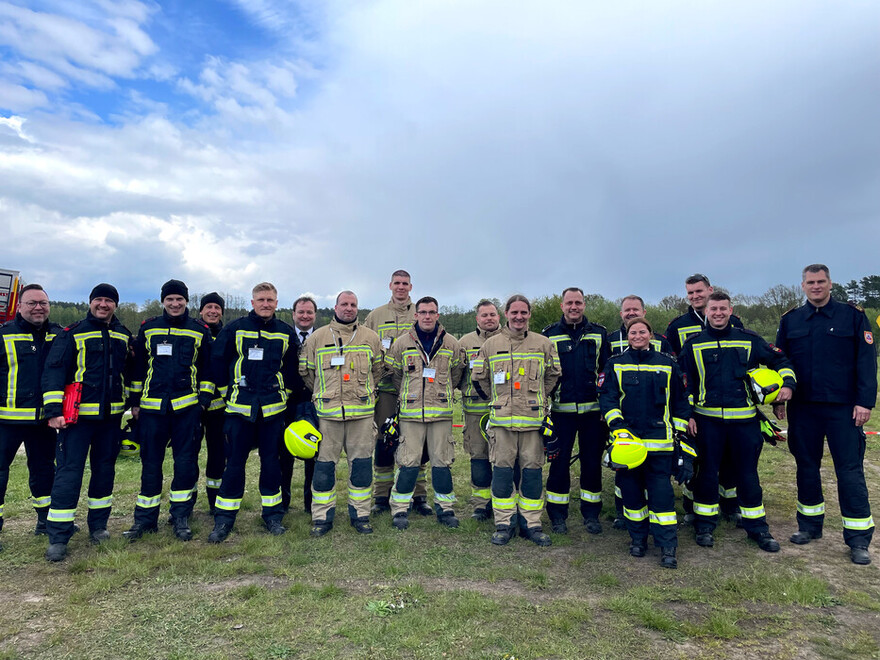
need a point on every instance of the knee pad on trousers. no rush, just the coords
(406, 479)
(361, 472)
(325, 476)
(502, 482)
(481, 472)
(532, 486)
(441, 480)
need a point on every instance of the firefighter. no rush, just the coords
(170, 389)
(305, 309)
(830, 344)
(641, 391)
(516, 370)
(25, 344)
(474, 407)
(255, 359)
(426, 364)
(583, 349)
(390, 321)
(680, 329)
(724, 423)
(631, 307)
(211, 308)
(96, 353)
(341, 364)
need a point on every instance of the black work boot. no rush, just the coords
(40, 529)
(667, 558)
(638, 548)
(181, 528)
(765, 541)
(56, 551)
(98, 536)
(138, 530)
(447, 519)
(420, 506)
(380, 505)
(481, 514)
(804, 536)
(502, 535)
(362, 525)
(321, 528)
(400, 521)
(275, 527)
(220, 533)
(537, 536)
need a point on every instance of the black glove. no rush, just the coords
(685, 469)
(551, 442)
(390, 433)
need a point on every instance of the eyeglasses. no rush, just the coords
(30, 304)
(428, 313)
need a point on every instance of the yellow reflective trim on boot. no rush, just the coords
(589, 496)
(327, 497)
(815, 510)
(753, 512)
(359, 494)
(227, 505)
(147, 502)
(100, 502)
(271, 500)
(858, 523)
(61, 515)
(662, 517)
(558, 498)
(706, 509)
(527, 504)
(636, 514)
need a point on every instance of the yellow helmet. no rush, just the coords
(130, 446)
(301, 439)
(484, 427)
(626, 451)
(765, 383)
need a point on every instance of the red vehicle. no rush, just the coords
(9, 287)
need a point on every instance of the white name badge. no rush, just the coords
(471, 364)
(164, 349)
(386, 343)
(255, 353)
(337, 360)
(429, 372)
(500, 377)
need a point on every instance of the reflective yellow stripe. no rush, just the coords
(444, 498)
(271, 500)
(61, 515)
(212, 483)
(706, 509)
(324, 498)
(727, 493)
(20, 414)
(558, 498)
(359, 494)
(101, 502)
(636, 514)
(180, 495)
(484, 493)
(400, 498)
(726, 413)
(148, 502)
(504, 503)
(38, 502)
(589, 496)
(858, 523)
(228, 505)
(816, 510)
(662, 517)
(753, 512)
(527, 504)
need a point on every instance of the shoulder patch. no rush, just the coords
(774, 348)
(601, 381)
(869, 337)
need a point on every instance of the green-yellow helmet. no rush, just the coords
(626, 451)
(301, 439)
(484, 427)
(765, 383)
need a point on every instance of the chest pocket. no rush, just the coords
(740, 363)
(659, 389)
(535, 370)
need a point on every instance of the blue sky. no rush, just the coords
(488, 147)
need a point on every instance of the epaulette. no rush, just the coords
(599, 325)
(72, 325)
(749, 331)
(152, 318)
(203, 324)
(791, 310)
(669, 355)
(9, 322)
(547, 328)
(857, 307)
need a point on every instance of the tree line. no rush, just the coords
(759, 313)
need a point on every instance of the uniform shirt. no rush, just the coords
(618, 343)
(23, 354)
(583, 350)
(471, 401)
(644, 392)
(715, 363)
(95, 354)
(689, 324)
(832, 351)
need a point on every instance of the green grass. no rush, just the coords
(431, 592)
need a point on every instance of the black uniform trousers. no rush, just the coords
(39, 445)
(99, 440)
(652, 476)
(808, 426)
(591, 435)
(157, 430)
(212, 425)
(287, 461)
(242, 435)
(740, 443)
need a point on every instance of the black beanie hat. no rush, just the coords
(105, 290)
(175, 288)
(212, 297)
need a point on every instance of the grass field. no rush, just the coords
(431, 592)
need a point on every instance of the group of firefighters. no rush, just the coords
(652, 407)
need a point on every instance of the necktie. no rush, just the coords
(304, 335)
